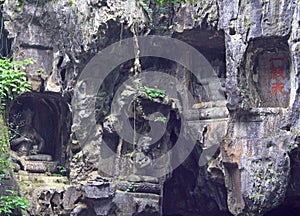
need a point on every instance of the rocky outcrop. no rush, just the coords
(255, 154)
(253, 48)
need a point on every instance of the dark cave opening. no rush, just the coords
(192, 190)
(176, 194)
(290, 207)
(50, 119)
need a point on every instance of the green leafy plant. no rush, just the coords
(160, 119)
(131, 187)
(256, 196)
(61, 171)
(8, 204)
(13, 80)
(154, 92)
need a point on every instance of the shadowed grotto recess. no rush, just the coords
(290, 207)
(42, 124)
(192, 189)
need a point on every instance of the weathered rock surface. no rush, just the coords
(253, 47)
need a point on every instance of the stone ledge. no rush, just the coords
(40, 166)
(139, 187)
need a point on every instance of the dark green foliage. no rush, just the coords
(62, 171)
(154, 92)
(8, 204)
(13, 80)
(160, 119)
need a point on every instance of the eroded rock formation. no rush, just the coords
(250, 133)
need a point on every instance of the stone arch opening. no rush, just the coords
(42, 124)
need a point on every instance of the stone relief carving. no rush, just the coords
(30, 142)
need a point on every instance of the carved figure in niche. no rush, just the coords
(30, 141)
(143, 155)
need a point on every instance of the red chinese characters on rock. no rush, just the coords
(277, 87)
(277, 74)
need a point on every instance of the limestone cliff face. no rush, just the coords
(254, 48)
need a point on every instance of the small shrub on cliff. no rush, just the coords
(160, 119)
(13, 80)
(154, 92)
(10, 204)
